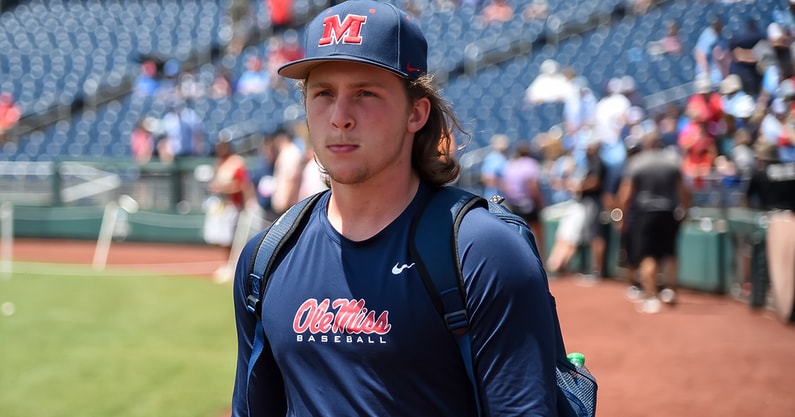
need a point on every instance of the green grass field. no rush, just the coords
(120, 344)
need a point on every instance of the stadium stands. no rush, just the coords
(62, 54)
(60, 51)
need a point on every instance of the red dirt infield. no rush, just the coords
(708, 356)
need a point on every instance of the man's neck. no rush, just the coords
(360, 211)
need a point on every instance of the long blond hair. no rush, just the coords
(434, 145)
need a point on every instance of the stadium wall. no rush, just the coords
(68, 199)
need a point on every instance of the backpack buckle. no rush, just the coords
(253, 301)
(497, 199)
(457, 321)
(252, 305)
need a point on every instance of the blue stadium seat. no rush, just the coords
(54, 49)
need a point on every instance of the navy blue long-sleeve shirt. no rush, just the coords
(351, 330)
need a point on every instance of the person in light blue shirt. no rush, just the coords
(493, 165)
(711, 52)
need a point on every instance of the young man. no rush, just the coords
(654, 191)
(349, 327)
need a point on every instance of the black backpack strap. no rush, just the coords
(433, 231)
(271, 244)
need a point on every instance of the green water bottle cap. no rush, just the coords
(577, 358)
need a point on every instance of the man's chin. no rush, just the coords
(347, 177)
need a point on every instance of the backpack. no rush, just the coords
(435, 227)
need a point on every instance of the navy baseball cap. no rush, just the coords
(366, 31)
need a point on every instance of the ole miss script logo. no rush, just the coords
(349, 31)
(339, 321)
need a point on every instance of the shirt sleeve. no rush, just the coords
(262, 392)
(511, 321)
(705, 41)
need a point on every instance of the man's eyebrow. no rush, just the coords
(357, 84)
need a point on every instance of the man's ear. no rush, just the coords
(420, 112)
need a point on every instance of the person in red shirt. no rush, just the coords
(9, 115)
(282, 49)
(232, 189)
(497, 11)
(281, 13)
(142, 142)
(697, 139)
(712, 107)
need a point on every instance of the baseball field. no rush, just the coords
(708, 356)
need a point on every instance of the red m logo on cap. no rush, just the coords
(348, 31)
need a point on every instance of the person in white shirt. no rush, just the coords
(549, 86)
(287, 170)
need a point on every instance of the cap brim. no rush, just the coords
(300, 69)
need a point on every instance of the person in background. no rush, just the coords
(590, 190)
(772, 189)
(254, 80)
(287, 170)
(671, 44)
(743, 157)
(189, 87)
(566, 206)
(376, 122)
(280, 13)
(708, 102)
(282, 48)
(785, 17)
(496, 11)
(737, 105)
(698, 145)
(743, 60)
(142, 140)
(242, 19)
(232, 188)
(786, 140)
(262, 177)
(654, 190)
(535, 10)
(578, 115)
(625, 221)
(559, 169)
(494, 164)
(221, 85)
(184, 133)
(667, 122)
(773, 121)
(711, 52)
(146, 83)
(313, 180)
(629, 89)
(775, 59)
(519, 186)
(639, 7)
(610, 119)
(9, 115)
(550, 85)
